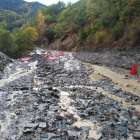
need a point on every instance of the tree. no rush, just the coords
(49, 33)
(26, 39)
(30, 36)
(7, 42)
(41, 26)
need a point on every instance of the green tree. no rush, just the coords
(7, 43)
(26, 39)
(49, 33)
(30, 36)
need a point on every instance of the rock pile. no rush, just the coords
(48, 104)
(112, 59)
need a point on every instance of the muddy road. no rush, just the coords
(67, 99)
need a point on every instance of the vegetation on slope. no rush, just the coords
(91, 24)
(94, 24)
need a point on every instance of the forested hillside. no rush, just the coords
(94, 24)
(15, 13)
(89, 24)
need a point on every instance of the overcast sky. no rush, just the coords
(49, 2)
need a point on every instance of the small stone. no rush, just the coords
(138, 115)
(71, 133)
(13, 137)
(134, 118)
(94, 135)
(87, 128)
(18, 112)
(130, 137)
(70, 138)
(28, 131)
(31, 125)
(51, 135)
(131, 127)
(127, 85)
(122, 128)
(71, 127)
(138, 134)
(42, 125)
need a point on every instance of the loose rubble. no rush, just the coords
(57, 100)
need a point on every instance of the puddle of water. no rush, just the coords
(95, 77)
(120, 81)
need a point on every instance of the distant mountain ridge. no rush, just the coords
(11, 9)
(20, 6)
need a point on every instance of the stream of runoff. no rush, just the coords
(67, 99)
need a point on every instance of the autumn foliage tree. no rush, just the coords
(26, 40)
(41, 26)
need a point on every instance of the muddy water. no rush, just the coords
(128, 85)
(121, 83)
(95, 77)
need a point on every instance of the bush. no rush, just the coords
(49, 33)
(74, 38)
(82, 33)
(117, 31)
(135, 29)
(105, 19)
(100, 36)
(130, 11)
(7, 42)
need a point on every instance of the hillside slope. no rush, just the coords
(14, 13)
(98, 24)
(20, 6)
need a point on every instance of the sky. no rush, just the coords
(49, 2)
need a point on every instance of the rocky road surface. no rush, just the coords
(67, 99)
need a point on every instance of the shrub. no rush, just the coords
(74, 38)
(49, 33)
(82, 33)
(135, 29)
(100, 36)
(117, 31)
